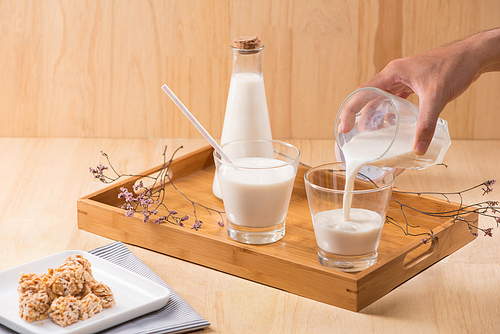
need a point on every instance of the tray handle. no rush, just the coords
(446, 241)
(432, 247)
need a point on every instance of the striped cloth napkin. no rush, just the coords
(175, 317)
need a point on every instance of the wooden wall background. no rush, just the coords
(93, 68)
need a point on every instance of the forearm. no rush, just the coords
(485, 49)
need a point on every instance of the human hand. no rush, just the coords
(438, 77)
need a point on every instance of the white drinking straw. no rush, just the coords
(197, 124)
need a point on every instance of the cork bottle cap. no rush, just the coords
(246, 43)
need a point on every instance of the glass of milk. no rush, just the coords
(257, 188)
(348, 231)
(378, 127)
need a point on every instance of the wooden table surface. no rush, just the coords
(43, 178)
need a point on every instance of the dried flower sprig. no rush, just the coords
(489, 209)
(150, 199)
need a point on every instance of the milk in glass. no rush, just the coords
(350, 231)
(257, 197)
(359, 235)
(382, 134)
(356, 231)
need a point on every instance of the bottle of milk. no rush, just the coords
(246, 115)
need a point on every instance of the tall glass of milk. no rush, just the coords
(246, 114)
(348, 244)
(257, 188)
(379, 128)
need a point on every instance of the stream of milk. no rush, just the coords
(369, 146)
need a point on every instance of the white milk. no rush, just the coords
(360, 235)
(353, 231)
(368, 146)
(246, 110)
(258, 197)
(246, 115)
(357, 231)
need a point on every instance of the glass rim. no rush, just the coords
(388, 96)
(294, 159)
(341, 191)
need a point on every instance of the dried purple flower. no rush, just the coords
(101, 168)
(424, 241)
(488, 232)
(138, 186)
(144, 201)
(493, 206)
(145, 213)
(197, 225)
(160, 220)
(488, 184)
(129, 197)
(98, 172)
(127, 206)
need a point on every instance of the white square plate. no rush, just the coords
(134, 296)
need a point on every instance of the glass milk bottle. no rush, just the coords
(246, 115)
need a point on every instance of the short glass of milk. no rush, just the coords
(348, 224)
(257, 188)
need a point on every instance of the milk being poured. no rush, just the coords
(382, 134)
(367, 148)
(355, 231)
(349, 231)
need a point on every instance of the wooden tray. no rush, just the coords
(290, 264)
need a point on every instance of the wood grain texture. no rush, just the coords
(42, 178)
(400, 256)
(92, 68)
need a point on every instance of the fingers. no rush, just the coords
(348, 112)
(362, 102)
(426, 125)
(373, 114)
(347, 120)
